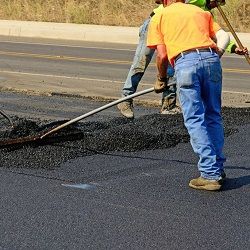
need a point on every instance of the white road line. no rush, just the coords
(91, 79)
(235, 92)
(68, 46)
(58, 76)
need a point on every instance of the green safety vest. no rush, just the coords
(202, 4)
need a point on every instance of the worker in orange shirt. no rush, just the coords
(183, 34)
(143, 56)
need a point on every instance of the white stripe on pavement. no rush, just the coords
(92, 79)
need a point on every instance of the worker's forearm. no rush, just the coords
(162, 61)
(162, 64)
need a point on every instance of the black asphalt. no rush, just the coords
(94, 60)
(86, 194)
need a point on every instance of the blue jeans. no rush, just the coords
(199, 86)
(142, 58)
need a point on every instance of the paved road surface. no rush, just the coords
(94, 69)
(120, 200)
(114, 200)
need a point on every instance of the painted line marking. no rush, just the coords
(92, 79)
(235, 92)
(94, 47)
(61, 57)
(244, 71)
(70, 46)
(80, 186)
(58, 76)
(94, 60)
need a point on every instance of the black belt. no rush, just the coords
(194, 50)
(152, 14)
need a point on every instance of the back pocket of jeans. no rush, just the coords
(186, 76)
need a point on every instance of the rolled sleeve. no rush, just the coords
(213, 27)
(216, 27)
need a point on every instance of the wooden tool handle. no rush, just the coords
(232, 31)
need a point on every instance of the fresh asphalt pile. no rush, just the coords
(87, 138)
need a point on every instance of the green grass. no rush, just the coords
(105, 12)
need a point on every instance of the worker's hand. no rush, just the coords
(240, 51)
(211, 4)
(161, 84)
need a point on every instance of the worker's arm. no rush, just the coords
(162, 65)
(223, 39)
(240, 51)
(232, 48)
(155, 40)
(162, 60)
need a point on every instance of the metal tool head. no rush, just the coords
(7, 117)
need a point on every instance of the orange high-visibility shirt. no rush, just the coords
(158, 9)
(181, 27)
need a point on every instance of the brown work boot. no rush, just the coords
(126, 109)
(205, 184)
(169, 106)
(171, 111)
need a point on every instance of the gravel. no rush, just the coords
(88, 138)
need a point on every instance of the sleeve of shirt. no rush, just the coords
(231, 47)
(216, 26)
(213, 26)
(155, 36)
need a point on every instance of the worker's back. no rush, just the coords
(184, 27)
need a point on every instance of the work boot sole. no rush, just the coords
(208, 187)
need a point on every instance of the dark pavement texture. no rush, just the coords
(131, 198)
(116, 134)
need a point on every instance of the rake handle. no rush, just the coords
(232, 31)
(97, 111)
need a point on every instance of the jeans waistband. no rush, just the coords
(194, 50)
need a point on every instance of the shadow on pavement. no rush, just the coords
(236, 167)
(235, 183)
(140, 157)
